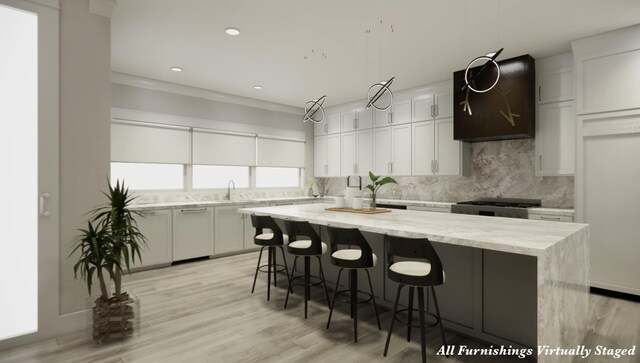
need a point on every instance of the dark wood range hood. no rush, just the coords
(505, 112)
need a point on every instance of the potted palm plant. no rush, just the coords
(110, 244)
(376, 182)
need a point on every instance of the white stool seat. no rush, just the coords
(306, 243)
(351, 254)
(269, 236)
(413, 268)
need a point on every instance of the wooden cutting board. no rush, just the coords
(360, 211)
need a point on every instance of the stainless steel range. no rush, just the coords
(497, 207)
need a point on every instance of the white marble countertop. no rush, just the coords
(217, 203)
(521, 236)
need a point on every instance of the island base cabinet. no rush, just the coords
(229, 230)
(192, 233)
(156, 227)
(510, 295)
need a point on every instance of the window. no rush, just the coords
(140, 176)
(218, 176)
(277, 177)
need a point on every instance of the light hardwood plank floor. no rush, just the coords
(204, 312)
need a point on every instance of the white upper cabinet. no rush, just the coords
(359, 119)
(330, 125)
(451, 156)
(555, 116)
(423, 151)
(398, 113)
(555, 139)
(607, 72)
(382, 150)
(320, 156)
(554, 78)
(401, 149)
(443, 100)
(364, 142)
(423, 107)
(333, 155)
(349, 153)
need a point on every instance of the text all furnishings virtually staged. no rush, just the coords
(514, 282)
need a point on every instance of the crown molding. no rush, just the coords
(102, 7)
(153, 84)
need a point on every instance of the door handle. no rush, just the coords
(44, 197)
(196, 210)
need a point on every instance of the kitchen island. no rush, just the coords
(558, 252)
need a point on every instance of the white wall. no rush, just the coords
(85, 127)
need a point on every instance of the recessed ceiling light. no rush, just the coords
(176, 69)
(232, 31)
(257, 86)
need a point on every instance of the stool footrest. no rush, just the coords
(265, 268)
(409, 323)
(311, 278)
(360, 300)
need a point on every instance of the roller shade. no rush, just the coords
(280, 152)
(211, 148)
(149, 144)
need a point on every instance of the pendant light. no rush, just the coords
(380, 87)
(311, 108)
(490, 58)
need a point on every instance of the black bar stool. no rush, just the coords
(414, 273)
(269, 235)
(308, 246)
(353, 259)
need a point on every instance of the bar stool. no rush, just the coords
(309, 246)
(269, 235)
(353, 259)
(414, 274)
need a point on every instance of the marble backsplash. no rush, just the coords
(498, 169)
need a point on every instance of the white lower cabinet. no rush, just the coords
(156, 227)
(192, 233)
(229, 230)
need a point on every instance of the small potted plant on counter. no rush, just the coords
(110, 244)
(376, 182)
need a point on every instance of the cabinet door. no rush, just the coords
(333, 155)
(349, 149)
(401, 113)
(401, 150)
(381, 118)
(364, 142)
(448, 150)
(192, 233)
(423, 148)
(229, 230)
(320, 128)
(333, 124)
(555, 86)
(382, 150)
(320, 156)
(444, 101)
(422, 107)
(156, 227)
(365, 119)
(348, 121)
(555, 139)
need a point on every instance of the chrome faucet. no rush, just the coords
(228, 196)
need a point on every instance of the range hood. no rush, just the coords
(505, 112)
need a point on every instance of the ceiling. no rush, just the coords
(302, 49)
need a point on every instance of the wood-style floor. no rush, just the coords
(204, 312)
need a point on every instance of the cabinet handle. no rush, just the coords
(197, 210)
(550, 218)
(326, 169)
(43, 197)
(437, 166)
(540, 162)
(435, 110)
(433, 170)
(432, 115)
(540, 93)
